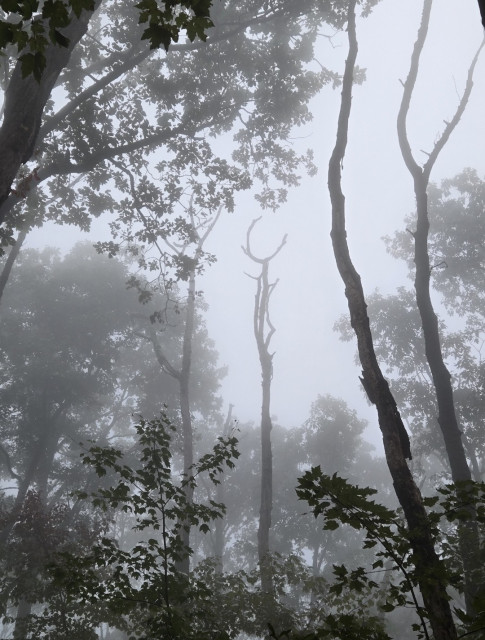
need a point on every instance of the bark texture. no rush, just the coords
(429, 569)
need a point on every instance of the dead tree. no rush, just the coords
(263, 332)
(429, 569)
(469, 538)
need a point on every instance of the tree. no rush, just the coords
(447, 419)
(73, 369)
(263, 332)
(396, 441)
(481, 6)
(174, 108)
(141, 586)
(38, 69)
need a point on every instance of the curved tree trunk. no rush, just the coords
(469, 539)
(396, 443)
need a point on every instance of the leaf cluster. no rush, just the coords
(143, 582)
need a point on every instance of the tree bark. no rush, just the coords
(429, 569)
(25, 99)
(469, 539)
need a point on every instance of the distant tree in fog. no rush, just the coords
(264, 330)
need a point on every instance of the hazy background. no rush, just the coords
(309, 359)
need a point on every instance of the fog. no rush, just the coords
(314, 379)
(309, 298)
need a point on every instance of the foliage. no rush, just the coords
(142, 584)
(42, 531)
(31, 25)
(343, 503)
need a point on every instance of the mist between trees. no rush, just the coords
(134, 502)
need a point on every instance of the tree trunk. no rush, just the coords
(184, 380)
(266, 476)
(25, 99)
(469, 539)
(429, 569)
(261, 325)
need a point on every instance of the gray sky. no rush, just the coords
(309, 359)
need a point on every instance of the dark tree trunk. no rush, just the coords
(481, 6)
(429, 569)
(469, 539)
(25, 99)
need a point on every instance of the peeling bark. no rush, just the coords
(429, 569)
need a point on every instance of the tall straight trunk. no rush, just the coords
(266, 505)
(184, 381)
(468, 534)
(263, 332)
(429, 569)
(182, 375)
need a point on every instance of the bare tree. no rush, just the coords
(447, 418)
(429, 568)
(263, 332)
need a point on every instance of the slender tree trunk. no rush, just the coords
(469, 539)
(429, 569)
(263, 332)
(184, 382)
(266, 475)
